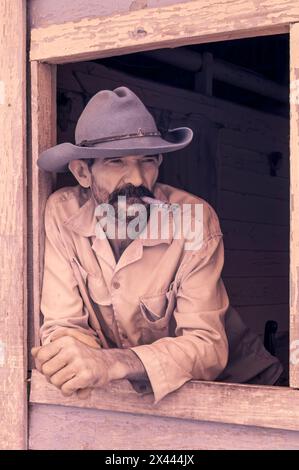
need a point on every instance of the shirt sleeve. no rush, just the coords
(199, 349)
(61, 303)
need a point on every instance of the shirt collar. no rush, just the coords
(83, 221)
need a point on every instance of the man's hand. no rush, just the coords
(71, 365)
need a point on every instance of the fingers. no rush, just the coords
(55, 364)
(35, 350)
(62, 376)
(45, 353)
(80, 381)
(84, 393)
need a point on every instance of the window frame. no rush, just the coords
(155, 28)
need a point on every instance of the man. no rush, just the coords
(148, 305)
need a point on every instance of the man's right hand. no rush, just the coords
(84, 338)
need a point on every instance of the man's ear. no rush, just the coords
(160, 159)
(81, 172)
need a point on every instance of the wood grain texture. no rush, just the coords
(43, 13)
(169, 26)
(13, 253)
(43, 135)
(59, 428)
(251, 405)
(294, 205)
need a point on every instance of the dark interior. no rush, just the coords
(246, 178)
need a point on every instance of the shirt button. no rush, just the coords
(116, 285)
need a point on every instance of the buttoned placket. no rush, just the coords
(110, 269)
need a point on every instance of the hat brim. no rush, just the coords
(57, 158)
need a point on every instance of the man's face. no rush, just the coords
(130, 176)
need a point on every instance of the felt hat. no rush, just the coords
(114, 123)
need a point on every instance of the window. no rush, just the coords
(224, 399)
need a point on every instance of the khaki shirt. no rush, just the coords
(167, 304)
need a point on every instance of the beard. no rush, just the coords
(131, 192)
(133, 195)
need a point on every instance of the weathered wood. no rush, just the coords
(251, 405)
(169, 26)
(43, 135)
(13, 253)
(43, 12)
(294, 205)
(59, 428)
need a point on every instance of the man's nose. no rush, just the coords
(135, 175)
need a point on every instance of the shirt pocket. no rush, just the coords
(98, 289)
(156, 311)
(95, 285)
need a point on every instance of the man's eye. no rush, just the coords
(115, 161)
(152, 159)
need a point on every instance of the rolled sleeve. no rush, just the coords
(199, 348)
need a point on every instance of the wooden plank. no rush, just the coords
(59, 428)
(249, 208)
(43, 135)
(43, 13)
(154, 28)
(257, 290)
(243, 181)
(243, 235)
(241, 263)
(13, 253)
(294, 205)
(250, 405)
(253, 161)
(258, 140)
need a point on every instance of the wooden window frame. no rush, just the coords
(147, 29)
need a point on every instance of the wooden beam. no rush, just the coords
(64, 427)
(175, 25)
(13, 218)
(43, 136)
(294, 206)
(251, 405)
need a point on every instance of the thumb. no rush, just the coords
(35, 350)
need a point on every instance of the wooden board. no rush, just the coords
(13, 253)
(294, 206)
(43, 12)
(59, 427)
(251, 405)
(191, 22)
(43, 135)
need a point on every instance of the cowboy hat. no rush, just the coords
(114, 124)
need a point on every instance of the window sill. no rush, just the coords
(249, 405)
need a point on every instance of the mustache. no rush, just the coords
(130, 191)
